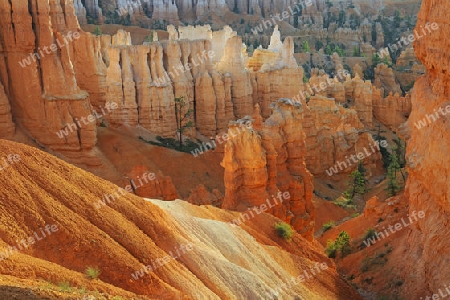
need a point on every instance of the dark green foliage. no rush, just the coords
(97, 31)
(331, 48)
(149, 39)
(328, 226)
(342, 18)
(340, 245)
(393, 187)
(181, 115)
(284, 230)
(356, 52)
(357, 184)
(170, 143)
(370, 233)
(318, 45)
(305, 47)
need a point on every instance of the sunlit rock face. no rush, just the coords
(44, 94)
(262, 163)
(428, 186)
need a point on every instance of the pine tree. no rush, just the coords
(305, 47)
(180, 103)
(400, 149)
(357, 184)
(97, 31)
(343, 243)
(393, 187)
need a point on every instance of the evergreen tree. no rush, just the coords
(97, 31)
(339, 51)
(181, 115)
(149, 39)
(343, 243)
(357, 185)
(328, 50)
(305, 47)
(393, 187)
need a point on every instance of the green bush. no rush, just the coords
(330, 250)
(328, 226)
(343, 243)
(92, 272)
(97, 31)
(64, 286)
(340, 245)
(284, 230)
(370, 233)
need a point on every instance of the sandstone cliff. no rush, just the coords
(41, 86)
(428, 183)
(261, 163)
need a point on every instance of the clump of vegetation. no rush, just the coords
(64, 286)
(379, 259)
(341, 245)
(170, 143)
(392, 186)
(331, 48)
(345, 203)
(97, 31)
(284, 230)
(370, 233)
(182, 114)
(92, 272)
(149, 38)
(357, 185)
(328, 226)
(356, 52)
(305, 47)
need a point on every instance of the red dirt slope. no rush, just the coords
(224, 262)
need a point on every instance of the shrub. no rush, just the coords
(340, 245)
(328, 226)
(370, 233)
(343, 243)
(284, 230)
(92, 272)
(97, 31)
(64, 286)
(330, 250)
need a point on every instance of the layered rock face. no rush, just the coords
(385, 80)
(44, 94)
(332, 136)
(261, 163)
(407, 68)
(7, 127)
(428, 186)
(393, 110)
(233, 63)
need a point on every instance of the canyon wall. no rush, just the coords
(211, 70)
(174, 11)
(43, 93)
(269, 159)
(428, 189)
